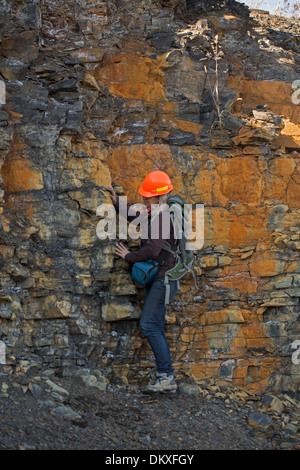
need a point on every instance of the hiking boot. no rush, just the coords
(163, 383)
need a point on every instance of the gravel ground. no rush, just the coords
(61, 414)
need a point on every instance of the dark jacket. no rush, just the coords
(152, 247)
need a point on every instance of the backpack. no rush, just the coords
(185, 258)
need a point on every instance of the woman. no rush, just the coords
(155, 191)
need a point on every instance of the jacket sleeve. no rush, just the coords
(149, 251)
(152, 249)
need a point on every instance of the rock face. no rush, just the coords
(100, 93)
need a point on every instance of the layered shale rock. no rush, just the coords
(100, 93)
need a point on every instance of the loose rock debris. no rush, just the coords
(42, 413)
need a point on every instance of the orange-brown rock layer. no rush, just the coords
(102, 94)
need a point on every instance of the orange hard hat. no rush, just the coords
(156, 183)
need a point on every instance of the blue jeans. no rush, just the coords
(152, 322)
